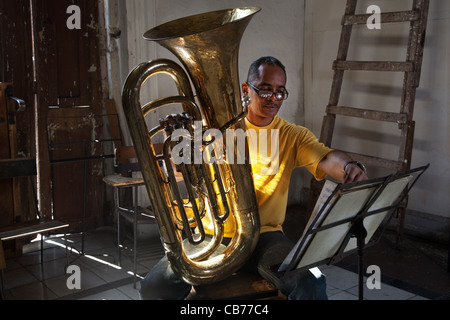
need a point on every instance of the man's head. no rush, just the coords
(266, 87)
(253, 71)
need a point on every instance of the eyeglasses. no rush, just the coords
(266, 94)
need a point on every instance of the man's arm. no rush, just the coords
(333, 165)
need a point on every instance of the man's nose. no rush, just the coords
(272, 97)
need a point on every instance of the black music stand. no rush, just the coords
(347, 220)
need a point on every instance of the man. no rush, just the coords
(297, 147)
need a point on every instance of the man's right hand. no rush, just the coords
(175, 121)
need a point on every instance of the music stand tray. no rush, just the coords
(345, 219)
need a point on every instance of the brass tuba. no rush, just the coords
(207, 45)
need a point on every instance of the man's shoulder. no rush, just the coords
(288, 127)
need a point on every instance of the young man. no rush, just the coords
(296, 146)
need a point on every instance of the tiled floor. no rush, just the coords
(102, 278)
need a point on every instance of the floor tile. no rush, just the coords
(17, 277)
(110, 273)
(342, 295)
(49, 269)
(32, 291)
(340, 278)
(386, 292)
(416, 297)
(61, 289)
(112, 294)
(129, 291)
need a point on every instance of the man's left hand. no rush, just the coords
(354, 173)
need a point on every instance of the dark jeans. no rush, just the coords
(272, 248)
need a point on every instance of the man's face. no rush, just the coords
(261, 111)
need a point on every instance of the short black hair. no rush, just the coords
(253, 72)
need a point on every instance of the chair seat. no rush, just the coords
(117, 180)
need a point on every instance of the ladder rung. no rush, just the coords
(373, 65)
(368, 114)
(390, 164)
(385, 17)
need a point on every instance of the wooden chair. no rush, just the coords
(25, 168)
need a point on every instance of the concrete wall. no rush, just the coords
(304, 34)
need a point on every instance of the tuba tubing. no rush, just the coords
(198, 41)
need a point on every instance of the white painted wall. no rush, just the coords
(304, 34)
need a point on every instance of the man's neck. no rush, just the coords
(260, 122)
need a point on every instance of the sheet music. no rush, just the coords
(327, 190)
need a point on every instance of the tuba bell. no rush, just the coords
(207, 46)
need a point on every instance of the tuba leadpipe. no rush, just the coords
(207, 46)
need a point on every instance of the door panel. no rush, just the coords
(68, 93)
(76, 165)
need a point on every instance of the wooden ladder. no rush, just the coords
(411, 67)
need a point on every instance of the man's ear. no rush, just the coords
(245, 88)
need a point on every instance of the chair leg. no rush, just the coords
(42, 249)
(135, 235)
(67, 249)
(116, 201)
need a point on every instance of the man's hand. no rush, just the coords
(353, 173)
(338, 165)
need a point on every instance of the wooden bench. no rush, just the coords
(29, 229)
(24, 167)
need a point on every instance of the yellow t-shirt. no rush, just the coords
(297, 147)
(275, 150)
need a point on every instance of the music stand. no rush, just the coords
(347, 220)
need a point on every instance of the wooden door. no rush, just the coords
(66, 85)
(69, 107)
